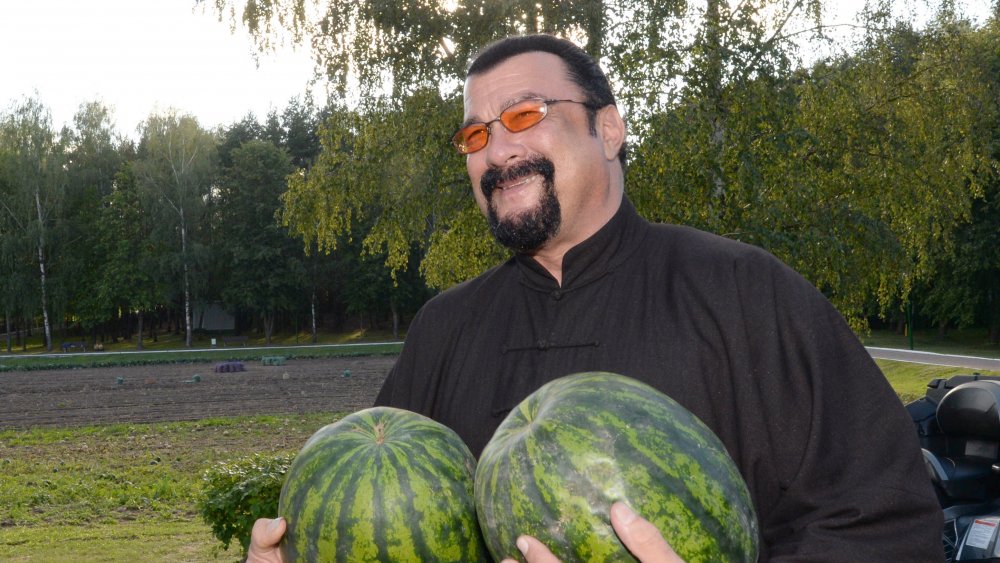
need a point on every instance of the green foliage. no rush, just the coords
(236, 493)
(35, 182)
(870, 171)
(856, 171)
(397, 48)
(965, 286)
(853, 172)
(402, 185)
(467, 236)
(262, 266)
(176, 169)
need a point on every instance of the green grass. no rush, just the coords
(102, 493)
(179, 541)
(910, 380)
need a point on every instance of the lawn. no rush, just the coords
(125, 491)
(910, 380)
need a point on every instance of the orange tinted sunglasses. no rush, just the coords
(518, 117)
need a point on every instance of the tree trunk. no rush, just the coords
(395, 318)
(993, 314)
(713, 89)
(6, 324)
(312, 313)
(138, 332)
(942, 329)
(901, 324)
(41, 269)
(268, 327)
(187, 284)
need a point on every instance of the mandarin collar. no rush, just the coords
(593, 258)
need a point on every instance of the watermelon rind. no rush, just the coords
(581, 442)
(382, 484)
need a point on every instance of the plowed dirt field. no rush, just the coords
(169, 392)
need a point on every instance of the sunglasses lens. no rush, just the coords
(471, 138)
(518, 117)
(523, 115)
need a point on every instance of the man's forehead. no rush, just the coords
(526, 75)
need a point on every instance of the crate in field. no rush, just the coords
(273, 360)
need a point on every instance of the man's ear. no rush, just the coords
(611, 129)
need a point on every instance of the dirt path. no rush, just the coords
(171, 392)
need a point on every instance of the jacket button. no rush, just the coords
(557, 294)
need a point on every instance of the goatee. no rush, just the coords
(529, 229)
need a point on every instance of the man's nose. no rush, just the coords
(504, 146)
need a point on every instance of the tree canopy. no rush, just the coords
(851, 168)
(872, 170)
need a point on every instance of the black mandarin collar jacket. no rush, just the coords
(738, 338)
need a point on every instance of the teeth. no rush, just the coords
(516, 184)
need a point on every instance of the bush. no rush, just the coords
(238, 492)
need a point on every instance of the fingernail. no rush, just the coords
(274, 524)
(523, 545)
(624, 513)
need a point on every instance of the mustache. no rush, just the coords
(495, 175)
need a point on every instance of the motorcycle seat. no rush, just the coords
(971, 410)
(969, 418)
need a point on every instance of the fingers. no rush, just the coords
(264, 540)
(533, 551)
(640, 537)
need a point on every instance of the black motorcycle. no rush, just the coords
(958, 421)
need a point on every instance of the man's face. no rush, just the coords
(532, 185)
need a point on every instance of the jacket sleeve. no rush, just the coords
(850, 484)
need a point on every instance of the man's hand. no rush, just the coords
(264, 540)
(640, 537)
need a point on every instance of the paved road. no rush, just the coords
(970, 362)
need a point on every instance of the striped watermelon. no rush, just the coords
(567, 452)
(382, 484)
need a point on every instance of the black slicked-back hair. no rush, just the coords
(582, 68)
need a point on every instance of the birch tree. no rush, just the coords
(176, 168)
(37, 180)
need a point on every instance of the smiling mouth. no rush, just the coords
(521, 182)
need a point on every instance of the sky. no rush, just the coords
(141, 56)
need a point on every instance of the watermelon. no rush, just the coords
(579, 443)
(382, 484)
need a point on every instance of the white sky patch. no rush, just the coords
(140, 56)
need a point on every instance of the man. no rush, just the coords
(826, 449)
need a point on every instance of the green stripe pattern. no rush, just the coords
(382, 484)
(579, 443)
